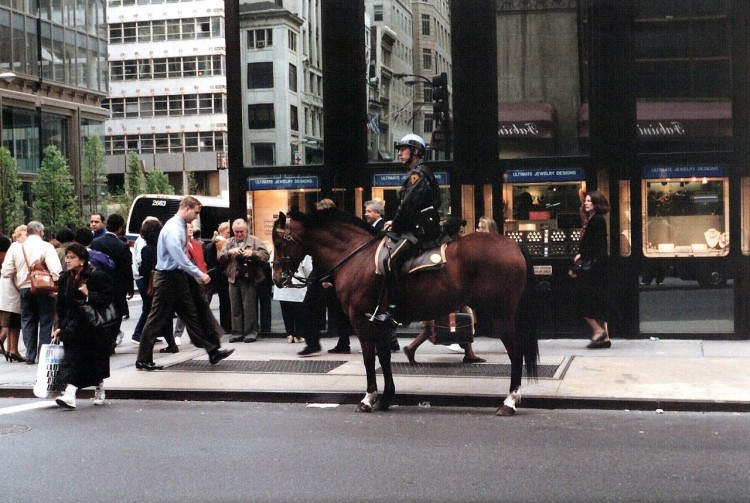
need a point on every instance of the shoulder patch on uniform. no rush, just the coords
(414, 178)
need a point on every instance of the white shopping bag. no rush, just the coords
(47, 382)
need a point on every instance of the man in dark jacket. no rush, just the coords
(122, 276)
(417, 219)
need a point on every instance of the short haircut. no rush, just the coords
(325, 204)
(18, 231)
(115, 222)
(101, 217)
(189, 202)
(377, 206)
(150, 230)
(240, 221)
(65, 235)
(84, 236)
(35, 227)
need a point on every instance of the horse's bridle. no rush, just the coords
(287, 275)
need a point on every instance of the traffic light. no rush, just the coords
(440, 95)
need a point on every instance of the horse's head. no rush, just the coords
(288, 251)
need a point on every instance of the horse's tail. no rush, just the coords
(526, 326)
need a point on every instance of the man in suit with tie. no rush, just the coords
(122, 276)
(374, 214)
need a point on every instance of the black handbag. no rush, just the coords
(101, 317)
(581, 266)
(453, 329)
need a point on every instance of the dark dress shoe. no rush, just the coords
(148, 366)
(219, 354)
(599, 344)
(170, 349)
(340, 350)
(309, 351)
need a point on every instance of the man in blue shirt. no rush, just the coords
(176, 290)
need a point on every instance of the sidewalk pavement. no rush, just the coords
(668, 375)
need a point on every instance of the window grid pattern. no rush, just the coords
(167, 68)
(165, 143)
(162, 106)
(166, 29)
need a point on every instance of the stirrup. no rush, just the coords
(384, 318)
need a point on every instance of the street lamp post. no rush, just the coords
(440, 137)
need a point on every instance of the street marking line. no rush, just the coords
(47, 404)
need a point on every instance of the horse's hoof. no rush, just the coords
(361, 407)
(505, 411)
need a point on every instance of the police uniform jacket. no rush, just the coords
(418, 211)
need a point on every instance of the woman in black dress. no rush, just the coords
(591, 268)
(86, 360)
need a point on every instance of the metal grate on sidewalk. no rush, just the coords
(465, 370)
(306, 366)
(312, 366)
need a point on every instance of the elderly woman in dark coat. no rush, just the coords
(86, 360)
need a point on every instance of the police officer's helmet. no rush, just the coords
(415, 142)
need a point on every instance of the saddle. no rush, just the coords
(427, 260)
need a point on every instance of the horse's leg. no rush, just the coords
(368, 358)
(383, 342)
(515, 353)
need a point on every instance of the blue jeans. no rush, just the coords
(37, 315)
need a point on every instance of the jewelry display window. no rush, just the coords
(686, 214)
(541, 210)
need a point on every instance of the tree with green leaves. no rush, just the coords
(192, 183)
(134, 179)
(54, 201)
(11, 197)
(157, 182)
(93, 173)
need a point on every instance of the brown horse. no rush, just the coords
(485, 271)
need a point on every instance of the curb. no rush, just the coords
(409, 399)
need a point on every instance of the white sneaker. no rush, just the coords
(178, 340)
(67, 399)
(133, 341)
(99, 394)
(456, 348)
(120, 337)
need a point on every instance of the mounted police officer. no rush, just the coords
(417, 220)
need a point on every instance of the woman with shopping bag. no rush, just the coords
(86, 360)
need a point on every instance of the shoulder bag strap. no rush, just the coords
(23, 249)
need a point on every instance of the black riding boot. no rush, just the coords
(393, 288)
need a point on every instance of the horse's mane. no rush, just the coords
(322, 218)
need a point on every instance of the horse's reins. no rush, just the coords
(304, 282)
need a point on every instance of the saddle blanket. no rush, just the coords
(431, 259)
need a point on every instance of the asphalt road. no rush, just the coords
(230, 452)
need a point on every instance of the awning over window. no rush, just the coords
(674, 120)
(527, 120)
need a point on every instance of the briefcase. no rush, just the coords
(454, 328)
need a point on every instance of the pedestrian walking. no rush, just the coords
(176, 290)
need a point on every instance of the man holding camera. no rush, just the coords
(244, 256)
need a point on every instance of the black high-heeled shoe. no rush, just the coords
(602, 342)
(14, 357)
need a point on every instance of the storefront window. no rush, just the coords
(625, 219)
(686, 212)
(542, 210)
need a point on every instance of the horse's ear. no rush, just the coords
(282, 219)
